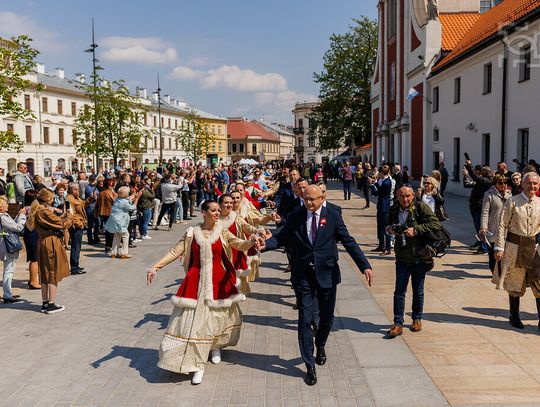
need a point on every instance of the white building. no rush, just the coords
(48, 136)
(306, 149)
(286, 138)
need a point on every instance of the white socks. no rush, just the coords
(197, 377)
(215, 356)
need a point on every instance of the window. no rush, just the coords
(300, 141)
(145, 118)
(234, 148)
(176, 144)
(44, 105)
(486, 147)
(311, 141)
(60, 107)
(10, 127)
(155, 121)
(301, 124)
(392, 18)
(74, 136)
(457, 90)
(241, 147)
(523, 145)
(155, 142)
(73, 108)
(435, 100)
(170, 143)
(46, 135)
(254, 149)
(525, 63)
(392, 83)
(488, 78)
(169, 123)
(60, 136)
(457, 155)
(175, 123)
(162, 122)
(219, 130)
(28, 132)
(436, 134)
(47, 167)
(219, 146)
(27, 102)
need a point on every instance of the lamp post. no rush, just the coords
(95, 68)
(158, 92)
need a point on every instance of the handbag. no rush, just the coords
(11, 240)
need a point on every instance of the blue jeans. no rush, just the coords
(417, 274)
(92, 230)
(383, 237)
(76, 243)
(347, 188)
(144, 220)
(179, 209)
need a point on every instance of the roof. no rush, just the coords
(488, 25)
(60, 83)
(241, 129)
(455, 26)
(186, 109)
(278, 128)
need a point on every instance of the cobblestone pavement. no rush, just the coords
(102, 351)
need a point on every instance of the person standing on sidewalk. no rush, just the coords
(419, 220)
(383, 188)
(144, 208)
(103, 209)
(78, 208)
(347, 181)
(169, 194)
(22, 182)
(311, 235)
(515, 246)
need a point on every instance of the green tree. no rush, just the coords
(119, 122)
(16, 61)
(194, 136)
(344, 113)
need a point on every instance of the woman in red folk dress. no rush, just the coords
(235, 224)
(206, 316)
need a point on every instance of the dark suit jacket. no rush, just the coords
(283, 198)
(322, 255)
(383, 193)
(333, 206)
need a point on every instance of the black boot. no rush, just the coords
(538, 308)
(515, 321)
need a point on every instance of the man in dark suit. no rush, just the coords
(311, 235)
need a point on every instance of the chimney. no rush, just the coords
(80, 77)
(155, 96)
(141, 92)
(167, 99)
(40, 67)
(59, 72)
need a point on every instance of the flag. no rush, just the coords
(412, 94)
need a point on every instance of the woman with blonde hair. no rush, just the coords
(429, 194)
(52, 258)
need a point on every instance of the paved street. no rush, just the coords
(102, 351)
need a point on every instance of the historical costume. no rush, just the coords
(516, 237)
(206, 315)
(242, 230)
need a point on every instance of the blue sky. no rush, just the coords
(232, 58)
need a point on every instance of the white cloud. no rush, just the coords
(186, 73)
(145, 50)
(232, 77)
(12, 25)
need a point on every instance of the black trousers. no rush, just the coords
(308, 294)
(185, 204)
(171, 209)
(108, 236)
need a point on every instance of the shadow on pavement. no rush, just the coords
(359, 326)
(456, 274)
(273, 281)
(266, 363)
(274, 265)
(466, 320)
(275, 298)
(162, 319)
(273, 321)
(177, 282)
(498, 312)
(166, 298)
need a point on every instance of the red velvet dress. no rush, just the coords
(223, 275)
(239, 258)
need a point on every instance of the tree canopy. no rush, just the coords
(119, 122)
(194, 136)
(344, 112)
(16, 61)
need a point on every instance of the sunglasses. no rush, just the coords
(501, 183)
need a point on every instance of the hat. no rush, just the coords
(248, 178)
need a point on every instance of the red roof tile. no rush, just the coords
(455, 26)
(240, 129)
(488, 25)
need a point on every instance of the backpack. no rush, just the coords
(436, 242)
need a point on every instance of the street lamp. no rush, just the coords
(158, 92)
(95, 68)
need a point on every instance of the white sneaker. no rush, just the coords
(215, 356)
(146, 237)
(137, 240)
(197, 377)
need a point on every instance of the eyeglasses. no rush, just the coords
(428, 183)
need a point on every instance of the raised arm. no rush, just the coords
(174, 253)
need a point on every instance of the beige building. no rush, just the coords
(285, 135)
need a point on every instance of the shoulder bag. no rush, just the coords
(11, 240)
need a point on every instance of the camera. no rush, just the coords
(399, 230)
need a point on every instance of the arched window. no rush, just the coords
(62, 163)
(74, 164)
(30, 165)
(47, 167)
(88, 165)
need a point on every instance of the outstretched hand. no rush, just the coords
(150, 275)
(275, 217)
(368, 273)
(260, 245)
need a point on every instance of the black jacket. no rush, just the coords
(323, 254)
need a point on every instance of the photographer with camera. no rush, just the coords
(409, 221)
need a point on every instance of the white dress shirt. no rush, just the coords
(317, 213)
(429, 201)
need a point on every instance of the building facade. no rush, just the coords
(249, 139)
(306, 148)
(286, 138)
(48, 138)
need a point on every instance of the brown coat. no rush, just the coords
(78, 209)
(104, 203)
(52, 258)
